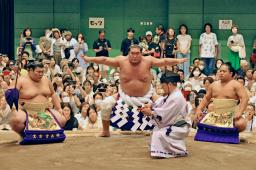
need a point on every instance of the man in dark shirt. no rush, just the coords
(102, 47)
(160, 37)
(153, 48)
(170, 45)
(127, 42)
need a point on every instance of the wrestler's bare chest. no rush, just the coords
(31, 89)
(139, 72)
(226, 91)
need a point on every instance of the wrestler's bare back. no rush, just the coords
(225, 91)
(34, 91)
(135, 80)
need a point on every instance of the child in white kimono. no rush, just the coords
(170, 117)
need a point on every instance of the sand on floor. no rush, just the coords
(84, 151)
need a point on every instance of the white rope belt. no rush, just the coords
(137, 101)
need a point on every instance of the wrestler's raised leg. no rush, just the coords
(108, 104)
(18, 121)
(60, 118)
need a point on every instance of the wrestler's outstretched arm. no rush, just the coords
(167, 61)
(113, 62)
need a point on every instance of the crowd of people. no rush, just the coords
(81, 86)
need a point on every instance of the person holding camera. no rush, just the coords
(58, 45)
(69, 51)
(102, 47)
(44, 47)
(72, 98)
(27, 43)
(81, 48)
(170, 44)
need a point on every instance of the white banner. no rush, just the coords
(225, 24)
(96, 22)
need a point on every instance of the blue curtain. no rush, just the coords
(7, 27)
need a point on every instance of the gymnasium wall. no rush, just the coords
(197, 12)
(42, 14)
(122, 14)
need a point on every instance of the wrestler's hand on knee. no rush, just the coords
(238, 115)
(199, 115)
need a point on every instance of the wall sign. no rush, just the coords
(225, 24)
(96, 22)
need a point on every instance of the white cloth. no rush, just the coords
(137, 101)
(168, 111)
(109, 102)
(208, 43)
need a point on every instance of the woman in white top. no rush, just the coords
(94, 119)
(184, 41)
(58, 45)
(83, 117)
(237, 47)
